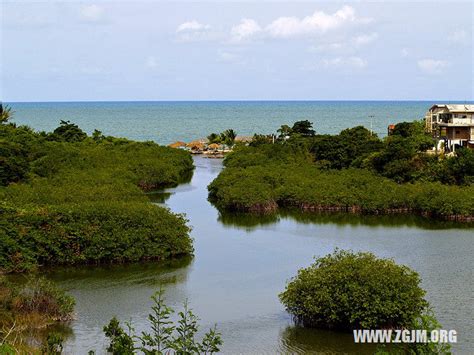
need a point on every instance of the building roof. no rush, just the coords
(455, 107)
(243, 138)
(177, 144)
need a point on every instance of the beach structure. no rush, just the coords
(177, 144)
(453, 124)
(243, 139)
(213, 146)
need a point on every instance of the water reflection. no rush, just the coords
(251, 221)
(102, 292)
(299, 340)
(125, 275)
(159, 196)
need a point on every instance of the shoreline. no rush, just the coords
(273, 207)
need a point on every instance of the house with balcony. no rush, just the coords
(453, 124)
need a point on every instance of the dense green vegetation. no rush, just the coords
(347, 291)
(67, 198)
(354, 171)
(227, 137)
(166, 337)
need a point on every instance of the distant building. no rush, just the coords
(452, 123)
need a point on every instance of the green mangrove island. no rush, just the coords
(72, 199)
(354, 171)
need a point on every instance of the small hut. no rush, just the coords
(213, 146)
(177, 144)
(195, 146)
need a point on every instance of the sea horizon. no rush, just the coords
(166, 122)
(444, 101)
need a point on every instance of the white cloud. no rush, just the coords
(151, 62)
(192, 26)
(404, 52)
(246, 29)
(365, 39)
(91, 13)
(432, 66)
(342, 62)
(194, 31)
(458, 36)
(287, 27)
(343, 45)
(319, 22)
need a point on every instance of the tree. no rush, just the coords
(97, 136)
(347, 291)
(228, 137)
(6, 113)
(68, 132)
(459, 169)
(284, 131)
(214, 138)
(303, 128)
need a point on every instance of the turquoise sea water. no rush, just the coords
(166, 122)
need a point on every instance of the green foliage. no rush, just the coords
(14, 165)
(260, 139)
(53, 344)
(301, 172)
(214, 138)
(166, 337)
(426, 321)
(68, 132)
(121, 342)
(227, 137)
(6, 113)
(303, 128)
(459, 170)
(284, 131)
(94, 232)
(347, 290)
(346, 149)
(304, 185)
(83, 201)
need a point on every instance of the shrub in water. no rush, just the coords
(347, 290)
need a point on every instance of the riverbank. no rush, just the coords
(264, 189)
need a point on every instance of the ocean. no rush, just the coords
(170, 121)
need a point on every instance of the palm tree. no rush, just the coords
(5, 113)
(228, 137)
(284, 131)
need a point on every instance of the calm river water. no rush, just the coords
(241, 265)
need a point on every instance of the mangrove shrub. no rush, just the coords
(346, 290)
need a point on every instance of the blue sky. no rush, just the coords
(153, 50)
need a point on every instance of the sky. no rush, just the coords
(222, 50)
